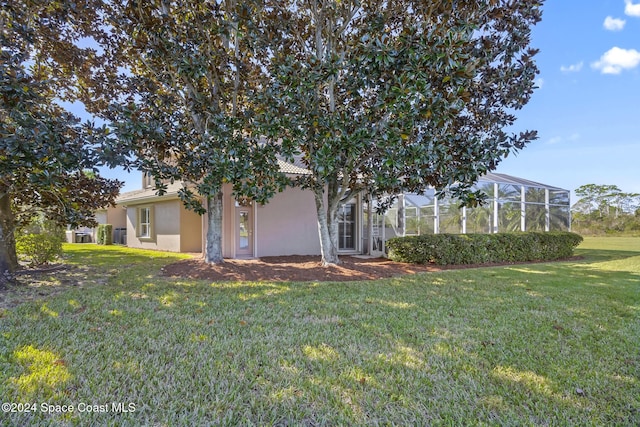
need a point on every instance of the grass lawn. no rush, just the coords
(537, 344)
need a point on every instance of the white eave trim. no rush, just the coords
(147, 199)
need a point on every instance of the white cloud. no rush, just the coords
(631, 9)
(613, 24)
(558, 139)
(616, 59)
(573, 68)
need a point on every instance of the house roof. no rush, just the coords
(501, 178)
(295, 168)
(147, 194)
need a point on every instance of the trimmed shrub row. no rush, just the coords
(456, 249)
(105, 234)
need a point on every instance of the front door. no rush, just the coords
(244, 231)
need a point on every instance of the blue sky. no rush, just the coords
(587, 107)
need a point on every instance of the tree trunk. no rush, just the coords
(327, 230)
(213, 252)
(8, 257)
(332, 213)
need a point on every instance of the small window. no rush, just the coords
(144, 222)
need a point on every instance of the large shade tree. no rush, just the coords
(384, 97)
(183, 104)
(45, 152)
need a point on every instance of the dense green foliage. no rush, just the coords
(39, 249)
(363, 93)
(39, 242)
(457, 249)
(594, 224)
(44, 149)
(185, 108)
(385, 97)
(105, 234)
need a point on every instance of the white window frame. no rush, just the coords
(145, 224)
(343, 224)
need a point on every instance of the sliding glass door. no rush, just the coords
(347, 227)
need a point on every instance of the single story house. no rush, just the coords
(287, 224)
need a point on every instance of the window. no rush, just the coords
(144, 222)
(347, 227)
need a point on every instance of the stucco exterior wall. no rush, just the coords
(165, 226)
(190, 231)
(101, 217)
(287, 225)
(116, 216)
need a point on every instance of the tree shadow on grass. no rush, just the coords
(599, 255)
(502, 345)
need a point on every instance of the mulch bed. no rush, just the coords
(295, 268)
(298, 268)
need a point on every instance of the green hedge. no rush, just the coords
(105, 234)
(456, 249)
(39, 248)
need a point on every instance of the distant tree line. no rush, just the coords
(605, 209)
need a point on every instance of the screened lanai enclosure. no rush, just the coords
(513, 204)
